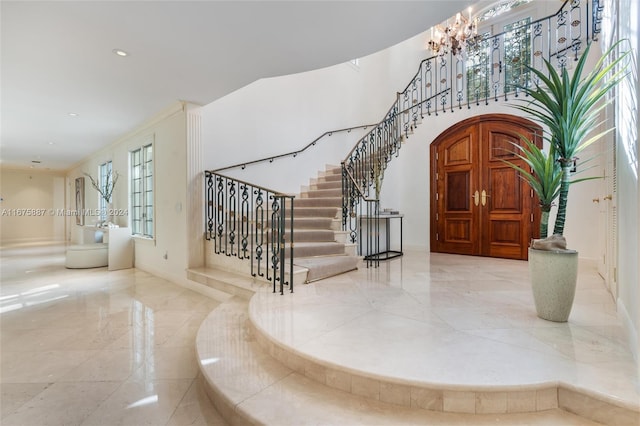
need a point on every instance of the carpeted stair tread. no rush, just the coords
(317, 202)
(324, 267)
(337, 184)
(309, 222)
(308, 249)
(330, 178)
(320, 212)
(311, 235)
(324, 193)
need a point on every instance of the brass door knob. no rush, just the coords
(608, 197)
(484, 197)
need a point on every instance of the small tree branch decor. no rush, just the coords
(105, 189)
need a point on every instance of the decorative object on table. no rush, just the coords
(569, 106)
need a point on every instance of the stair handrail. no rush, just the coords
(358, 187)
(263, 188)
(391, 115)
(294, 153)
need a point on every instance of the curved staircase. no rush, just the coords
(320, 246)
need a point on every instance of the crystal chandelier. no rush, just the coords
(454, 37)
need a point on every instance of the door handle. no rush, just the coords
(608, 197)
(484, 197)
(476, 198)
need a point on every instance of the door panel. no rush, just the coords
(507, 225)
(458, 228)
(481, 205)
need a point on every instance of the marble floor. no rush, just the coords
(92, 347)
(455, 322)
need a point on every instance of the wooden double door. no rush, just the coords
(479, 204)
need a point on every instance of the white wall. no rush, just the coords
(628, 196)
(166, 254)
(30, 206)
(282, 114)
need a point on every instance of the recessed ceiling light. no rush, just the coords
(52, 143)
(120, 52)
(73, 114)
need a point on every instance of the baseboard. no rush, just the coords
(630, 330)
(182, 281)
(29, 241)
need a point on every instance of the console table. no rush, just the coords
(118, 240)
(388, 252)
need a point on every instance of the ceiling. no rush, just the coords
(57, 59)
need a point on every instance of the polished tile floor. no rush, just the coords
(92, 347)
(456, 321)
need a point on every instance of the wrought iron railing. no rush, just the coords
(493, 69)
(249, 222)
(365, 210)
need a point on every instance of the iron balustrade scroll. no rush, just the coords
(363, 207)
(252, 223)
(494, 68)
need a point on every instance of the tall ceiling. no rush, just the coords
(57, 59)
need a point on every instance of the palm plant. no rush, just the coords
(544, 178)
(569, 106)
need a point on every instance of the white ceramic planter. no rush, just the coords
(554, 275)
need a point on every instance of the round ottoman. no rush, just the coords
(87, 256)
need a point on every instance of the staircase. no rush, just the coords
(320, 246)
(254, 224)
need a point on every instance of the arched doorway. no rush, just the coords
(479, 204)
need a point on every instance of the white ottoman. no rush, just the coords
(87, 256)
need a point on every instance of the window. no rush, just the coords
(105, 174)
(512, 50)
(141, 161)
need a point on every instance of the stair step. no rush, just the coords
(330, 178)
(336, 184)
(324, 267)
(248, 386)
(323, 193)
(231, 283)
(321, 212)
(317, 202)
(311, 235)
(309, 249)
(311, 223)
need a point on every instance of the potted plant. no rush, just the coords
(569, 107)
